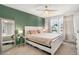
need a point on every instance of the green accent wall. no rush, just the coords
(21, 18)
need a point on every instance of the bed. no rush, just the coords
(48, 42)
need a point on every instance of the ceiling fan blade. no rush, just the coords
(46, 10)
(50, 10)
(40, 10)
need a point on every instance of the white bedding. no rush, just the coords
(43, 38)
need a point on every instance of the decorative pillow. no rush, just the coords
(34, 31)
(38, 31)
(30, 32)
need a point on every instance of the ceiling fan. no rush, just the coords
(46, 11)
(46, 8)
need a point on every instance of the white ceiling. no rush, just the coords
(32, 8)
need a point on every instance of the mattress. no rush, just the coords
(43, 38)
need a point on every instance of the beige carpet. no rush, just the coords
(65, 49)
(6, 47)
(25, 50)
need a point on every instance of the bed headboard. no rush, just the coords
(30, 28)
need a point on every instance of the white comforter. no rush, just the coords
(43, 38)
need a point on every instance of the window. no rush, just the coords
(56, 24)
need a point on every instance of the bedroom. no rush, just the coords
(46, 22)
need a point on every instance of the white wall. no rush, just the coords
(76, 29)
(0, 36)
(47, 23)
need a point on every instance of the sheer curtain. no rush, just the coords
(69, 29)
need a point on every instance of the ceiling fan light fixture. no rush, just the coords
(47, 12)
